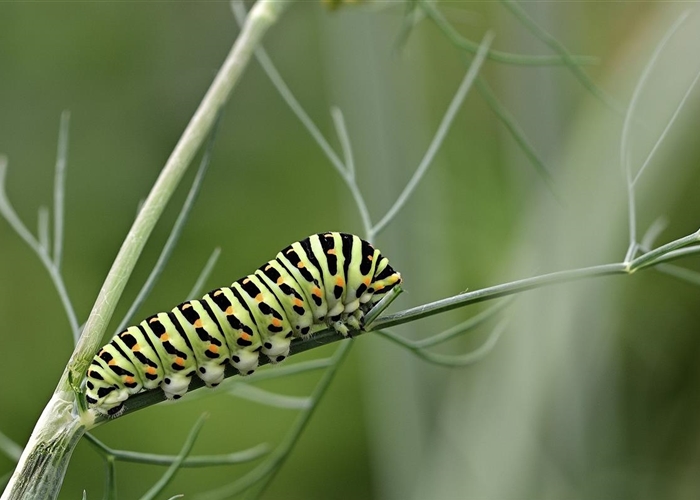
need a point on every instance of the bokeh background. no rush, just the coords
(594, 389)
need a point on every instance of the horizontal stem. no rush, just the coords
(493, 292)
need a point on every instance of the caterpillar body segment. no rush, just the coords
(328, 279)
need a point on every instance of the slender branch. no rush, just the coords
(262, 16)
(59, 188)
(439, 134)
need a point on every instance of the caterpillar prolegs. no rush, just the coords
(329, 279)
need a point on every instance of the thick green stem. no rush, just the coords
(42, 466)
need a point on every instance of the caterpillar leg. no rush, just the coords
(244, 361)
(175, 386)
(276, 348)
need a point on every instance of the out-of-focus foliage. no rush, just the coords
(593, 390)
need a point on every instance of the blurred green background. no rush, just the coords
(593, 391)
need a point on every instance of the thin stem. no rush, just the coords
(381, 306)
(110, 478)
(43, 228)
(204, 274)
(261, 396)
(11, 216)
(439, 135)
(666, 128)
(175, 466)
(465, 326)
(175, 232)
(516, 132)
(626, 133)
(661, 253)
(450, 360)
(494, 55)
(197, 461)
(496, 291)
(350, 179)
(59, 187)
(654, 231)
(262, 16)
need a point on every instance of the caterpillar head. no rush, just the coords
(103, 393)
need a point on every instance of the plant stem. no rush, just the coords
(40, 471)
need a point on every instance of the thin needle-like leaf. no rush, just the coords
(347, 169)
(495, 55)
(625, 140)
(654, 231)
(351, 182)
(176, 231)
(381, 306)
(265, 472)
(204, 275)
(565, 55)
(59, 187)
(172, 470)
(666, 128)
(240, 14)
(43, 228)
(440, 134)
(465, 326)
(197, 461)
(10, 215)
(449, 359)
(258, 395)
(515, 131)
(10, 448)
(110, 479)
(681, 273)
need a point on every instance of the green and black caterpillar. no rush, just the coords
(329, 279)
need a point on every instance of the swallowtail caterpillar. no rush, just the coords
(329, 279)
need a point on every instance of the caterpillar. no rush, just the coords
(328, 279)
